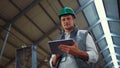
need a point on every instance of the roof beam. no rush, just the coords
(10, 62)
(48, 33)
(84, 6)
(3, 18)
(59, 1)
(29, 7)
(38, 27)
(78, 2)
(33, 24)
(2, 28)
(13, 20)
(43, 50)
(10, 43)
(118, 1)
(50, 16)
(30, 19)
(16, 28)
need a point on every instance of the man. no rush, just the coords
(82, 53)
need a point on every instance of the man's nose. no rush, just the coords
(66, 20)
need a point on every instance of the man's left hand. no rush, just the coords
(70, 49)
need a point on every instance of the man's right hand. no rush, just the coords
(55, 59)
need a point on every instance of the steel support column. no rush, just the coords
(26, 57)
(34, 56)
(5, 41)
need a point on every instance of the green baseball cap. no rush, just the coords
(66, 11)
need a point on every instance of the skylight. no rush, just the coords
(105, 26)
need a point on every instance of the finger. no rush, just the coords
(65, 50)
(64, 46)
(57, 55)
(75, 44)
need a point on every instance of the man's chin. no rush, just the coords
(69, 28)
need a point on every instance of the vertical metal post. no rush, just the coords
(5, 41)
(18, 60)
(34, 56)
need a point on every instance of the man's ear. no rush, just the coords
(74, 20)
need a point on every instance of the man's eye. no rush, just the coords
(68, 18)
(63, 19)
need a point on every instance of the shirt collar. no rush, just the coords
(72, 33)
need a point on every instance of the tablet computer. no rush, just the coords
(55, 43)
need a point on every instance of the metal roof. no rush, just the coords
(35, 22)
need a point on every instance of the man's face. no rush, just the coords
(67, 22)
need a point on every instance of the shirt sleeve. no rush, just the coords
(91, 49)
(51, 66)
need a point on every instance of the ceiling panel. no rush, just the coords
(11, 66)
(116, 40)
(55, 5)
(40, 18)
(2, 22)
(102, 43)
(20, 37)
(8, 11)
(1, 44)
(40, 56)
(3, 34)
(28, 28)
(118, 57)
(106, 53)
(91, 14)
(55, 34)
(3, 61)
(83, 2)
(38, 25)
(109, 59)
(114, 27)
(117, 50)
(80, 21)
(50, 10)
(22, 3)
(9, 51)
(71, 3)
(15, 42)
(44, 44)
(109, 6)
(111, 65)
(43, 53)
(97, 31)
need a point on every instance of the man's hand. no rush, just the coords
(74, 50)
(69, 49)
(55, 59)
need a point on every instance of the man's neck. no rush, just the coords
(68, 31)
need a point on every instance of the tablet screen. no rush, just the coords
(55, 43)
